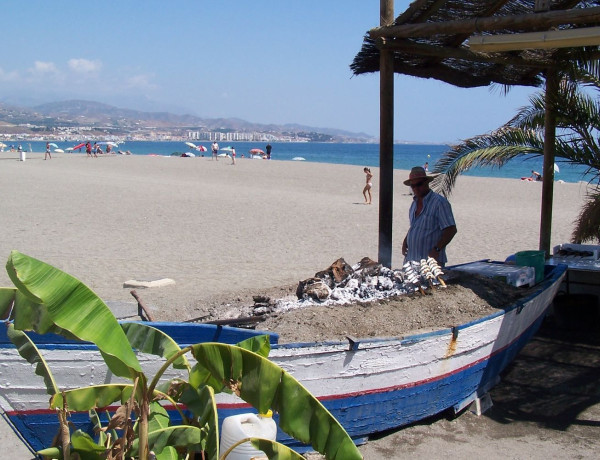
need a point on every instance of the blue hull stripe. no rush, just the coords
(360, 413)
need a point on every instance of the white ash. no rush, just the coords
(362, 284)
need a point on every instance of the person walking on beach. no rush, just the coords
(215, 150)
(88, 149)
(268, 149)
(232, 156)
(368, 185)
(47, 154)
(432, 224)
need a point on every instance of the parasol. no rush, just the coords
(191, 144)
(257, 152)
(201, 148)
(78, 146)
(52, 144)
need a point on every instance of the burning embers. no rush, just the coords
(369, 280)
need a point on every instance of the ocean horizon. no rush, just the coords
(405, 155)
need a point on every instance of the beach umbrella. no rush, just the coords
(556, 168)
(112, 144)
(191, 144)
(226, 149)
(201, 148)
(52, 144)
(78, 146)
(59, 150)
(257, 152)
(69, 149)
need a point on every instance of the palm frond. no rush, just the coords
(494, 149)
(587, 225)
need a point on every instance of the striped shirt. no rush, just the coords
(426, 228)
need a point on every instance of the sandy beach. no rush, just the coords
(227, 232)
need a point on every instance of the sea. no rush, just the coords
(405, 156)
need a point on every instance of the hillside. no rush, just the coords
(122, 121)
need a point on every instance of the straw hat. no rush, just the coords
(418, 173)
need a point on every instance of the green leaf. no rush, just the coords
(274, 450)
(188, 437)
(158, 420)
(259, 344)
(50, 452)
(201, 402)
(84, 399)
(265, 385)
(30, 352)
(7, 297)
(148, 339)
(85, 446)
(95, 420)
(73, 306)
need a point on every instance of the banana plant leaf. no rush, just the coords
(148, 339)
(81, 443)
(158, 420)
(31, 353)
(274, 450)
(73, 306)
(97, 424)
(266, 386)
(27, 314)
(188, 437)
(87, 398)
(84, 445)
(259, 344)
(7, 297)
(201, 402)
(201, 376)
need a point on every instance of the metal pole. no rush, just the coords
(386, 141)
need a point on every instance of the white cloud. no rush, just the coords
(43, 68)
(141, 82)
(8, 76)
(84, 65)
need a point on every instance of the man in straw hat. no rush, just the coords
(432, 224)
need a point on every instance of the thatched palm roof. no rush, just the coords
(429, 40)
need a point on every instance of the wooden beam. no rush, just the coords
(446, 52)
(552, 83)
(386, 142)
(549, 39)
(522, 22)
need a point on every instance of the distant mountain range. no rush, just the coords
(90, 113)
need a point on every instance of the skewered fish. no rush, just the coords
(436, 270)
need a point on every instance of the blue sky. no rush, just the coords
(261, 61)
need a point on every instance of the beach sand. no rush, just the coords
(224, 232)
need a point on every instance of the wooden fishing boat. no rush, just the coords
(369, 385)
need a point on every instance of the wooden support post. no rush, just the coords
(386, 141)
(552, 82)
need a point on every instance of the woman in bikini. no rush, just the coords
(367, 189)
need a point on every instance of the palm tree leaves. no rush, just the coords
(588, 222)
(577, 109)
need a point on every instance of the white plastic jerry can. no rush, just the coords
(238, 427)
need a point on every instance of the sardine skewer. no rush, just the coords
(436, 270)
